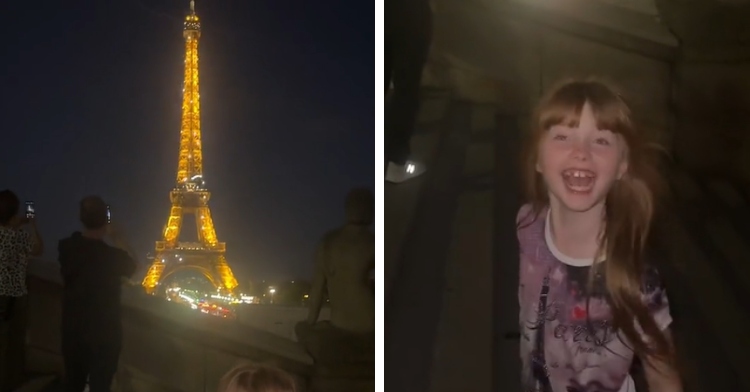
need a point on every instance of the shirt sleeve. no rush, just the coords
(655, 298)
(523, 216)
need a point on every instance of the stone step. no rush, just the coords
(717, 216)
(714, 232)
(463, 361)
(728, 193)
(480, 159)
(413, 307)
(401, 199)
(684, 187)
(710, 302)
(468, 351)
(716, 252)
(506, 254)
(727, 199)
(432, 107)
(701, 364)
(704, 283)
(45, 383)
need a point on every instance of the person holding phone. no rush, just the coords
(408, 36)
(92, 271)
(16, 246)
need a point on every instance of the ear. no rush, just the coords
(622, 169)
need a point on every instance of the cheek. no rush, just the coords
(548, 171)
(609, 160)
(549, 158)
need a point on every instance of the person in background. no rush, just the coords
(92, 272)
(408, 35)
(256, 378)
(16, 246)
(343, 261)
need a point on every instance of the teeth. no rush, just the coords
(579, 173)
(579, 180)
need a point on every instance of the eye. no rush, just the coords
(602, 141)
(559, 137)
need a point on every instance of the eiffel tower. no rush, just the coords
(190, 196)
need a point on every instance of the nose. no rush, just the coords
(581, 151)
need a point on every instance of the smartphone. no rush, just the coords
(109, 215)
(30, 212)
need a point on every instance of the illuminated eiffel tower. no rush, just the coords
(190, 195)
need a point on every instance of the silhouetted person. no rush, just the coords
(16, 246)
(343, 262)
(92, 272)
(408, 34)
(343, 350)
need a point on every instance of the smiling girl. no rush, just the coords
(589, 301)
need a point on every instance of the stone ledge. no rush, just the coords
(237, 338)
(38, 384)
(713, 301)
(611, 25)
(729, 54)
(230, 338)
(203, 347)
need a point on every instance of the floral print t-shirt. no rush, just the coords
(15, 246)
(582, 352)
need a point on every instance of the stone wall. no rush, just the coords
(509, 55)
(690, 95)
(278, 320)
(165, 347)
(712, 102)
(506, 53)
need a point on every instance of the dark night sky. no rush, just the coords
(90, 104)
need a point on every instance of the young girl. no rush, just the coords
(256, 378)
(589, 302)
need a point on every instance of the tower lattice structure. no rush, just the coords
(190, 196)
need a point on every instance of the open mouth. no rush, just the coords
(579, 181)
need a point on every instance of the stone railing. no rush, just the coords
(278, 320)
(165, 347)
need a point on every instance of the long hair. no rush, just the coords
(248, 377)
(629, 205)
(9, 205)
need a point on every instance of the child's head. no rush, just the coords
(586, 155)
(584, 148)
(256, 378)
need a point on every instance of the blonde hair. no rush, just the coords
(629, 205)
(248, 377)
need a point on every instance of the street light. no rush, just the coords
(272, 291)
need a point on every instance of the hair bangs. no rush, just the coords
(565, 104)
(611, 113)
(560, 112)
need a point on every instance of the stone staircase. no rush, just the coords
(718, 215)
(450, 276)
(46, 383)
(712, 276)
